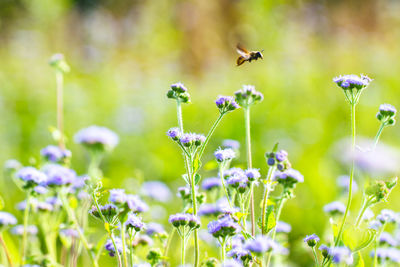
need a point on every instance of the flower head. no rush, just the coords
(324, 250)
(387, 216)
(136, 204)
(156, 190)
(223, 227)
(97, 137)
(58, 175)
(387, 238)
(260, 245)
(211, 183)
(229, 143)
(154, 228)
(12, 165)
(19, 230)
(311, 240)
(117, 196)
(134, 222)
(282, 227)
(109, 211)
(109, 246)
(7, 219)
(184, 219)
(335, 208)
(55, 154)
(387, 254)
(349, 82)
(69, 232)
(226, 104)
(386, 114)
(288, 178)
(31, 176)
(248, 96)
(252, 174)
(174, 133)
(341, 254)
(223, 155)
(179, 92)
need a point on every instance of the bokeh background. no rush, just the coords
(125, 54)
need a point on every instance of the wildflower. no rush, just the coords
(324, 250)
(135, 204)
(31, 176)
(375, 224)
(208, 209)
(134, 222)
(281, 155)
(69, 232)
(278, 159)
(386, 114)
(41, 190)
(282, 227)
(386, 238)
(184, 219)
(97, 137)
(58, 62)
(156, 190)
(240, 254)
(341, 254)
(238, 181)
(223, 155)
(184, 192)
(311, 240)
(260, 245)
(335, 208)
(387, 254)
(223, 227)
(109, 246)
(117, 196)
(252, 174)
(233, 171)
(55, 154)
(58, 175)
(154, 228)
(349, 82)
(226, 104)
(174, 133)
(179, 92)
(211, 183)
(248, 96)
(19, 230)
(232, 144)
(6, 219)
(109, 211)
(387, 216)
(288, 178)
(12, 165)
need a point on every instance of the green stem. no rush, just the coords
(210, 133)
(196, 234)
(131, 237)
(26, 219)
(3, 244)
(249, 166)
(365, 205)
(123, 236)
(72, 217)
(221, 174)
(266, 195)
(60, 113)
(378, 134)
(315, 256)
(376, 244)
(223, 250)
(278, 214)
(353, 144)
(183, 247)
(179, 114)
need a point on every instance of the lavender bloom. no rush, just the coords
(311, 240)
(12, 165)
(237, 180)
(260, 244)
(349, 82)
(135, 204)
(223, 227)
(232, 263)
(69, 232)
(226, 104)
(335, 208)
(117, 196)
(237, 241)
(387, 254)
(386, 238)
(239, 253)
(134, 222)
(182, 219)
(19, 230)
(325, 250)
(31, 176)
(387, 216)
(154, 228)
(288, 178)
(179, 92)
(341, 254)
(178, 87)
(375, 224)
(109, 211)
(224, 207)
(156, 190)
(211, 183)
(248, 96)
(282, 227)
(252, 174)
(96, 136)
(184, 192)
(223, 155)
(387, 110)
(7, 219)
(109, 246)
(208, 209)
(343, 181)
(229, 143)
(58, 175)
(54, 201)
(55, 154)
(233, 171)
(41, 190)
(174, 133)
(281, 155)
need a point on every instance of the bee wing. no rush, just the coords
(242, 51)
(240, 61)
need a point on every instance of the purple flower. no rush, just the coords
(226, 104)
(239, 253)
(288, 178)
(210, 183)
(335, 208)
(208, 209)
(174, 133)
(109, 246)
(54, 201)
(134, 222)
(325, 250)
(387, 110)
(55, 153)
(135, 204)
(344, 181)
(40, 190)
(187, 139)
(31, 176)
(390, 254)
(199, 139)
(229, 143)
(234, 171)
(156, 190)
(252, 174)
(117, 196)
(375, 224)
(260, 244)
(109, 211)
(352, 81)
(12, 165)
(223, 155)
(96, 136)
(281, 155)
(248, 96)
(282, 227)
(183, 219)
(178, 87)
(341, 254)
(154, 228)
(69, 232)
(7, 219)
(237, 180)
(387, 216)
(58, 175)
(223, 227)
(311, 240)
(224, 207)
(388, 239)
(19, 230)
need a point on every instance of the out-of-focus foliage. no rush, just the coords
(125, 54)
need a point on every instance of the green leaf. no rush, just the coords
(358, 260)
(270, 220)
(196, 163)
(357, 239)
(275, 149)
(246, 235)
(369, 236)
(197, 179)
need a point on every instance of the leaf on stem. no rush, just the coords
(270, 221)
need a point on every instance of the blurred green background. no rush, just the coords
(125, 54)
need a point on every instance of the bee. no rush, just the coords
(246, 55)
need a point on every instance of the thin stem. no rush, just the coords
(196, 234)
(376, 244)
(353, 144)
(365, 205)
(183, 241)
(60, 112)
(315, 256)
(123, 236)
(131, 237)
(210, 133)
(26, 219)
(265, 200)
(72, 217)
(278, 214)
(221, 174)
(223, 250)
(378, 134)
(3, 244)
(249, 166)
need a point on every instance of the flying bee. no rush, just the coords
(246, 55)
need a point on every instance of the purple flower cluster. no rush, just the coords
(278, 159)
(184, 219)
(240, 254)
(19, 230)
(136, 204)
(223, 155)
(349, 82)
(387, 254)
(31, 176)
(388, 239)
(211, 183)
(55, 153)
(232, 144)
(260, 245)
(238, 181)
(283, 227)
(223, 227)
(387, 110)
(7, 219)
(134, 222)
(192, 140)
(226, 104)
(388, 216)
(248, 96)
(117, 196)
(335, 208)
(311, 240)
(109, 246)
(97, 137)
(109, 211)
(288, 178)
(252, 174)
(341, 255)
(179, 92)
(174, 133)
(58, 175)
(156, 190)
(154, 228)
